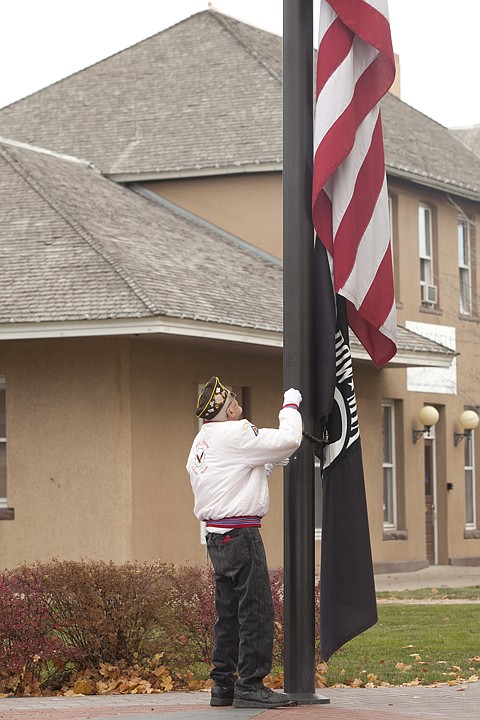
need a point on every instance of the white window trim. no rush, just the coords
(473, 524)
(318, 530)
(392, 466)
(427, 215)
(462, 266)
(3, 500)
(390, 217)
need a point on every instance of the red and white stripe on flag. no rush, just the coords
(355, 68)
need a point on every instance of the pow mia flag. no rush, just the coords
(347, 588)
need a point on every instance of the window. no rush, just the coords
(389, 469)
(464, 266)
(3, 446)
(427, 287)
(471, 519)
(318, 500)
(392, 214)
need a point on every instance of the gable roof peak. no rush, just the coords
(51, 153)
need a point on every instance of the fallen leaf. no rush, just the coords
(83, 687)
(356, 683)
(402, 666)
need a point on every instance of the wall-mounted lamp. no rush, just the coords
(428, 416)
(469, 421)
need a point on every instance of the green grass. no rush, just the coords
(434, 643)
(464, 593)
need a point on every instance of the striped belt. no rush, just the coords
(242, 521)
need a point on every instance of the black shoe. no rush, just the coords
(221, 696)
(261, 697)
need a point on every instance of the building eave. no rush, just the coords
(186, 173)
(434, 183)
(408, 358)
(187, 328)
(141, 326)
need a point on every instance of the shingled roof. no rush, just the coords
(204, 94)
(425, 152)
(205, 97)
(469, 136)
(77, 246)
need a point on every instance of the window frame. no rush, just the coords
(3, 441)
(469, 474)
(465, 268)
(391, 522)
(392, 214)
(425, 223)
(318, 497)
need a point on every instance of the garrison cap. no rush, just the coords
(212, 399)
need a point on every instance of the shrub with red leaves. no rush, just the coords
(193, 608)
(106, 612)
(27, 640)
(277, 583)
(60, 619)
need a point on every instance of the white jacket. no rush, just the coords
(227, 461)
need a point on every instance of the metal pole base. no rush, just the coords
(309, 698)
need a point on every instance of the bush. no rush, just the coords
(277, 583)
(193, 606)
(102, 627)
(27, 641)
(105, 612)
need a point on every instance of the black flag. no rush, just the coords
(347, 588)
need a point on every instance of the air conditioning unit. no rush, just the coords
(429, 294)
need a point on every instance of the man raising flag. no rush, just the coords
(353, 287)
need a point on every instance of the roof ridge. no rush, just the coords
(50, 153)
(222, 20)
(77, 227)
(98, 62)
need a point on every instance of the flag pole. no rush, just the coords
(299, 489)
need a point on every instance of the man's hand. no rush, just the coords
(292, 397)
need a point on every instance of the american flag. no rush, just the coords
(353, 280)
(355, 68)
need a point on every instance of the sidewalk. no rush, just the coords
(460, 702)
(438, 576)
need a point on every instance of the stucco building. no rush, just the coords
(141, 253)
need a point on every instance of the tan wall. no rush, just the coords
(248, 206)
(98, 433)
(99, 429)
(452, 545)
(68, 450)
(165, 378)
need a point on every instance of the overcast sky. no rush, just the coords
(42, 41)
